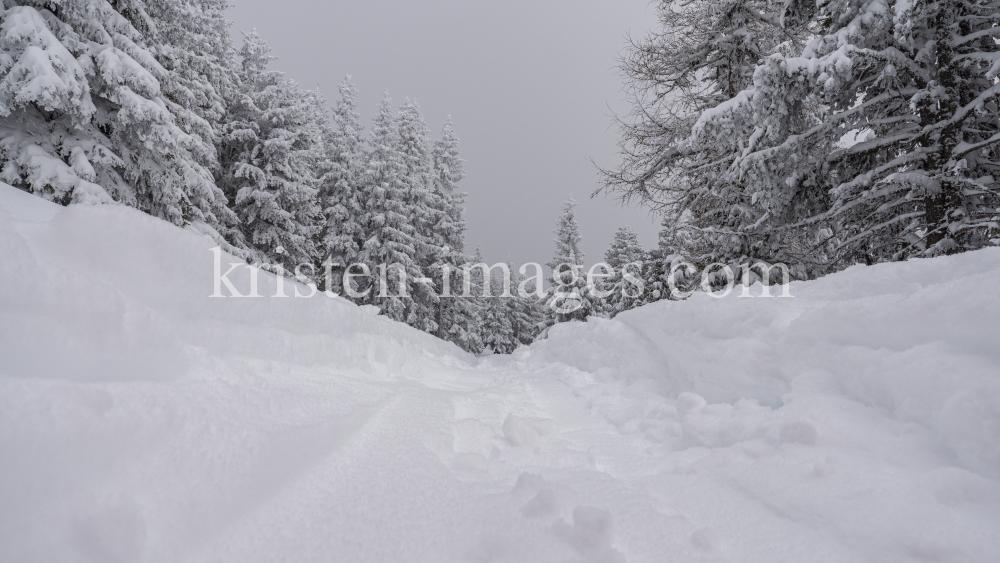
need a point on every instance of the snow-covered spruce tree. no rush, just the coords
(625, 248)
(194, 48)
(448, 172)
(196, 51)
(424, 209)
(342, 183)
(917, 80)
(272, 149)
(497, 331)
(915, 83)
(416, 150)
(625, 252)
(497, 327)
(527, 315)
(669, 257)
(570, 299)
(704, 56)
(81, 105)
(459, 319)
(390, 237)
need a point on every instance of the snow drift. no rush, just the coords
(141, 420)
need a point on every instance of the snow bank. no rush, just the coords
(124, 296)
(916, 339)
(141, 420)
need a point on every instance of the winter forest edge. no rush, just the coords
(817, 135)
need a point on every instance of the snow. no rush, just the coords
(141, 420)
(45, 72)
(740, 99)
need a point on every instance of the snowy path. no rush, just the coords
(142, 421)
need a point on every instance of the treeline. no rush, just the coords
(149, 103)
(630, 276)
(816, 134)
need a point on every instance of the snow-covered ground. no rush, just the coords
(141, 420)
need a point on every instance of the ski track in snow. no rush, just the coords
(142, 421)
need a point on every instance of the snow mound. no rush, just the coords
(917, 340)
(124, 296)
(142, 420)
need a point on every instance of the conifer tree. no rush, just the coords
(81, 106)
(668, 261)
(194, 47)
(569, 299)
(624, 253)
(390, 237)
(567, 237)
(416, 150)
(497, 327)
(624, 248)
(704, 56)
(448, 172)
(877, 141)
(527, 316)
(459, 319)
(424, 209)
(272, 149)
(342, 183)
(923, 179)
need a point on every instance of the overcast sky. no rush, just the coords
(530, 85)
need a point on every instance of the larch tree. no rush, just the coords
(875, 141)
(703, 57)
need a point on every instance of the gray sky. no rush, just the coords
(528, 84)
